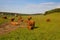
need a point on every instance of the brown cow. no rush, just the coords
(13, 23)
(30, 23)
(48, 20)
(20, 19)
(4, 17)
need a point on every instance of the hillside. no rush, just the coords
(47, 12)
(52, 11)
(44, 31)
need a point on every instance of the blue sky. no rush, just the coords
(28, 6)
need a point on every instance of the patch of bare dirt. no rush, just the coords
(6, 27)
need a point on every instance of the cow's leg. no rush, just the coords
(29, 27)
(33, 26)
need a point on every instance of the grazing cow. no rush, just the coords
(12, 19)
(30, 23)
(5, 17)
(48, 20)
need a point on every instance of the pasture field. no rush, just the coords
(44, 30)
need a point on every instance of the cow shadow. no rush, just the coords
(34, 27)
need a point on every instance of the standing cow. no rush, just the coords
(30, 23)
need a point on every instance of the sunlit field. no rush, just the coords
(45, 30)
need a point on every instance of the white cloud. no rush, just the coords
(58, 7)
(40, 8)
(47, 3)
(32, 8)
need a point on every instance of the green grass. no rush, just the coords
(45, 31)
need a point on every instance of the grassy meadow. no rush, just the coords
(44, 30)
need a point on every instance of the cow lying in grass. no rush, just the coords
(18, 22)
(30, 23)
(14, 23)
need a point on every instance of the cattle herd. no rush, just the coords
(30, 23)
